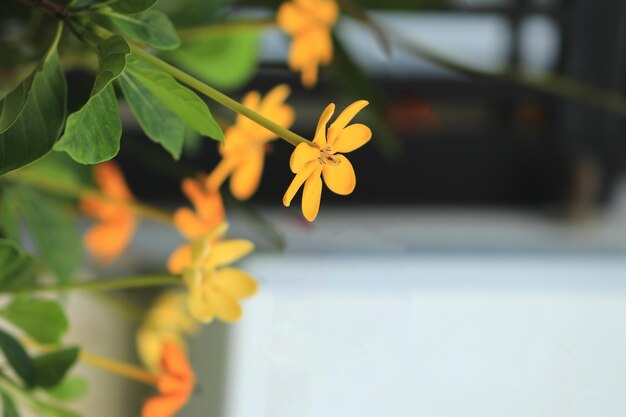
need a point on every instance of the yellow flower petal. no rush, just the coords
(227, 252)
(340, 179)
(189, 224)
(344, 118)
(301, 155)
(292, 19)
(297, 182)
(198, 301)
(351, 138)
(250, 100)
(246, 177)
(226, 307)
(180, 259)
(235, 282)
(320, 132)
(311, 196)
(327, 12)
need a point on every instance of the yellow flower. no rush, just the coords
(167, 321)
(207, 217)
(245, 143)
(309, 23)
(214, 288)
(323, 158)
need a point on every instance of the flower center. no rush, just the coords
(327, 157)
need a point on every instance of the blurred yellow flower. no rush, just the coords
(323, 158)
(309, 23)
(116, 221)
(214, 288)
(208, 215)
(175, 384)
(245, 143)
(167, 321)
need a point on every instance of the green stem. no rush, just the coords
(99, 285)
(551, 83)
(218, 96)
(51, 185)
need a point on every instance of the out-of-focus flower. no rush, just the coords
(167, 321)
(194, 224)
(324, 158)
(309, 23)
(116, 222)
(175, 384)
(245, 143)
(215, 288)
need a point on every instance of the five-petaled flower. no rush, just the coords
(323, 158)
(175, 384)
(214, 288)
(116, 221)
(309, 23)
(167, 321)
(208, 215)
(245, 143)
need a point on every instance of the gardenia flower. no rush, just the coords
(116, 222)
(245, 143)
(214, 288)
(175, 384)
(323, 158)
(167, 321)
(309, 23)
(208, 215)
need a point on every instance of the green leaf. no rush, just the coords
(132, 6)
(43, 320)
(50, 368)
(179, 99)
(223, 60)
(53, 229)
(158, 123)
(93, 133)
(33, 114)
(17, 358)
(151, 27)
(193, 13)
(112, 55)
(17, 268)
(9, 222)
(13, 104)
(71, 388)
(8, 407)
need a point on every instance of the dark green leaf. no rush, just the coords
(17, 268)
(71, 388)
(179, 99)
(53, 229)
(112, 55)
(17, 358)
(8, 407)
(35, 123)
(43, 320)
(93, 133)
(52, 367)
(190, 13)
(157, 121)
(224, 60)
(150, 27)
(9, 222)
(13, 104)
(132, 6)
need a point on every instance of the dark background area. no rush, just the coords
(463, 141)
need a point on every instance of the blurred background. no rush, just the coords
(479, 267)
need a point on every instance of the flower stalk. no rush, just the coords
(286, 134)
